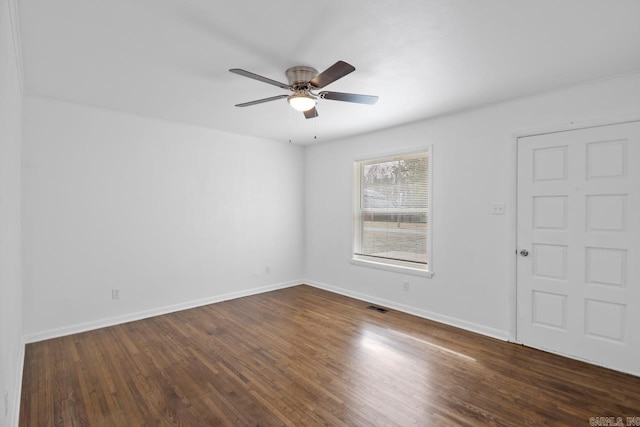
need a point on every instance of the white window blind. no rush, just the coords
(392, 209)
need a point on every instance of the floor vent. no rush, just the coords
(378, 309)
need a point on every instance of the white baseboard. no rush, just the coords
(103, 323)
(448, 320)
(14, 412)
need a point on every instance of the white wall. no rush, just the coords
(474, 164)
(172, 215)
(11, 343)
(175, 215)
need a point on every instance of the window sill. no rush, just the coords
(391, 267)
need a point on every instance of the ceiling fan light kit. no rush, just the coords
(302, 82)
(302, 101)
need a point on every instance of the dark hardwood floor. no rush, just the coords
(302, 356)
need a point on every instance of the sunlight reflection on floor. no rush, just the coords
(438, 347)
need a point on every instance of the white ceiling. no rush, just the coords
(170, 58)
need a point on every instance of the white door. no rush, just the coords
(578, 280)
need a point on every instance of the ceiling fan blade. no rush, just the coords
(331, 74)
(310, 114)
(349, 97)
(259, 78)
(260, 101)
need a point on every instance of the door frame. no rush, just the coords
(513, 209)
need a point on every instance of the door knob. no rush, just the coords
(524, 252)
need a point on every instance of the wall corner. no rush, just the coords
(14, 17)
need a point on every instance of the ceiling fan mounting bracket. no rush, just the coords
(299, 76)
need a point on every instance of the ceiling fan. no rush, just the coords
(303, 82)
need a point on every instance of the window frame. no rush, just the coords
(405, 267)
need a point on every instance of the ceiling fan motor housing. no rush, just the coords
(300, 75)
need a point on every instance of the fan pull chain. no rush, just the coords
(290, 126)
(315, 129)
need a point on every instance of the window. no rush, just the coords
(391, 213)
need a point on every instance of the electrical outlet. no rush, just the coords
(267, 269)
(497, 208)
(406, 285)
(115, 293)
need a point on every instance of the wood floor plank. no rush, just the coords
(304, 356)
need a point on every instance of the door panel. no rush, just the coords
(578, 289)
